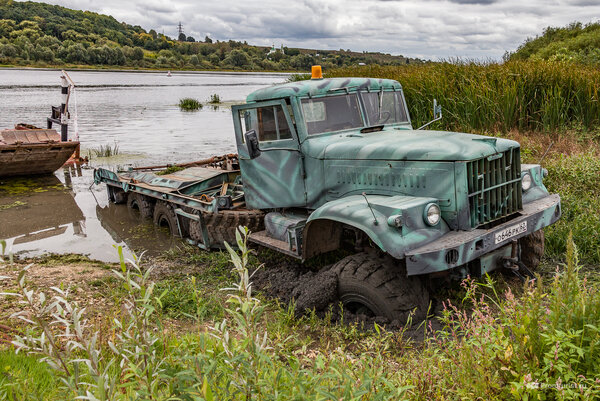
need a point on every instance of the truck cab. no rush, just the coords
(341, 153)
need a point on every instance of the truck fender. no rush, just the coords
(323, 229)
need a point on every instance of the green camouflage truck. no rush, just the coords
(324, 164)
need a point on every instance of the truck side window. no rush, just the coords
(269, 123)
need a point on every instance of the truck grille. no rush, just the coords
(494, 186)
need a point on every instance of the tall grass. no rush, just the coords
(523, 95)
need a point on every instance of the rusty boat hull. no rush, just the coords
(33, 152)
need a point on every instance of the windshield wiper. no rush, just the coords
(373, 128)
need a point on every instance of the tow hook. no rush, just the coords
(515, 265)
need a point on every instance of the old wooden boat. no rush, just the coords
(29, 150)
(33, 151)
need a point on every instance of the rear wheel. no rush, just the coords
(377, 286)
(164, 216)
(532, 249)
(116, 194)
(143, 203)
(221, 225)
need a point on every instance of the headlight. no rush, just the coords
(395, 221)
(526, 181)
(432, 214)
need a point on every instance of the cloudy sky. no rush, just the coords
(432, 29)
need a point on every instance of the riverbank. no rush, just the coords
(83, 67)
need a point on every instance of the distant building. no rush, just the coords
(275, 50)
(361, 64)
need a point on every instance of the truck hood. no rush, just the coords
(402, 144)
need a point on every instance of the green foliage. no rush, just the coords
(101, 40)
(575, 43)
(577, 180)
(189, 104)
(542, 345)
(526, 96)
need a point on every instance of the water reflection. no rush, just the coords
(61, 213)
(35, 209)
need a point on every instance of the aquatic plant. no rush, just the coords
(215, 99)
(105, 150)
(189, 104)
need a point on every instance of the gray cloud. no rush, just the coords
(430, 29)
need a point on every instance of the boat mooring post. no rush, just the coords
(60, 115)
(64, 120)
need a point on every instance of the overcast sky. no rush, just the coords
(431, 29)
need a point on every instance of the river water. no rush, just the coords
(136, 111)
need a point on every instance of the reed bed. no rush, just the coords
(537, 96)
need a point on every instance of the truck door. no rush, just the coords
(274, 179)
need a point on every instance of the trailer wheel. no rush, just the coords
(221, 225)
(380, 287)
(143, 203)
(164, 216)
(116, 194)
(532, 249)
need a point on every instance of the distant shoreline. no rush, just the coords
(226, 72)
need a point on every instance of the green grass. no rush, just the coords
(189, 104)
(23, 377)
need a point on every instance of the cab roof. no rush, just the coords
(320, 87)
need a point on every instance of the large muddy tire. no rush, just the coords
(379, 286)
(143, 203)
(221, 225)
(532, 249)
(116, 195)
(164, 216)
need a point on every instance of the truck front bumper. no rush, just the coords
(457, 248)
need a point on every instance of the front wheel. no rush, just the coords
(377, 286)
(532, 249)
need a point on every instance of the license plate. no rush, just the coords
(510, 232)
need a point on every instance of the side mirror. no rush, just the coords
(437, 110)
(251, 140)
(437, 114)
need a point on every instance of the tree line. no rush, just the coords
(42, 34)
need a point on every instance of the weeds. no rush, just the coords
(542, 344)
(104, 151)
(170, 170)
(189, 104)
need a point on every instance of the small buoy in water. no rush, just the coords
(168, 73)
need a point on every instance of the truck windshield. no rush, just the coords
(332, 113)
(341, 112)
(384, 108)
